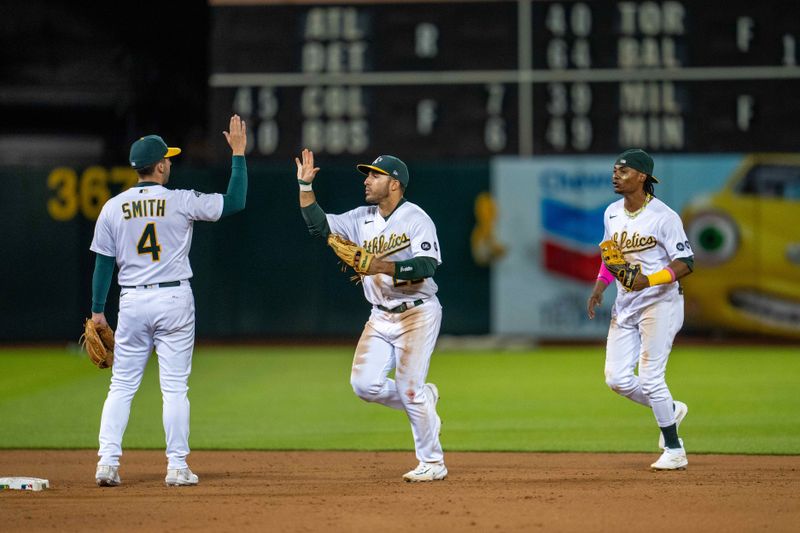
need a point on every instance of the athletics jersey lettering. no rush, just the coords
(635, 242)
(648, 239)
(152, 207)
(387, 246)
(408, 232)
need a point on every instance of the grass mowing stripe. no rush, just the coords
(741, 400)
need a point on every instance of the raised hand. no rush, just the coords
(306, 170)
(237, 136)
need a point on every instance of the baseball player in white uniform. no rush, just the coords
(645, 320)
(147, 232)
(406, 315)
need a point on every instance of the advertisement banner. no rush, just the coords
(550, 219)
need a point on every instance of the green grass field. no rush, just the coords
(741, 400)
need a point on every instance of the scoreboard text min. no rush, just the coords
(474, 79)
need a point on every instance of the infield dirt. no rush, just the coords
(363, 491)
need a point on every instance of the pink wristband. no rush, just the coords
(671, 273)
(605, 274)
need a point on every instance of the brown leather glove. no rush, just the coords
(98, 340)
(350, 253)
(615, 262)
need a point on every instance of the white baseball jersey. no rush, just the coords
(652, 239)
(149, 231)
(409, 232)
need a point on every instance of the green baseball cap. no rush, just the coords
(150, 150)
(637, 159)
(389, 165)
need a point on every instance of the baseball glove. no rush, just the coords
(615, 262)
(350, 253)
(98, 341)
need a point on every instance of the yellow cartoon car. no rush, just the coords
(746, 243)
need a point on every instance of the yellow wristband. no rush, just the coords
(661, 277)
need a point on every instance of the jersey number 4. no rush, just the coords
(148, 242)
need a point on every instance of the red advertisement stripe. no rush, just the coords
(570, 263)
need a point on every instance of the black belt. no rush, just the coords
(402, 308)
(160, 285)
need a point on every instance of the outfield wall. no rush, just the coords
(258, 274)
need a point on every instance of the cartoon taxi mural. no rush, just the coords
(746, 241)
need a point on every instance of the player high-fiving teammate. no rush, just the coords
(147, 232)
(404, 323)
(647, 315)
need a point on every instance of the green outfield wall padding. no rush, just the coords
(257, 274)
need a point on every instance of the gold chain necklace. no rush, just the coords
(636, 213)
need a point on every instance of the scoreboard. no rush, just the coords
(474, 79)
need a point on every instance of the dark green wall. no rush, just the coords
(257, 274)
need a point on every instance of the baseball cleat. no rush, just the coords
(681, 409)
(181, 477)
(672, 459)
(107, 476)
(426, 472)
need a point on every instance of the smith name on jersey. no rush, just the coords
(151, 207)
(148, 229)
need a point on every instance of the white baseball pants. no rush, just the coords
(645, 340)
(160, 318)
(405, 342)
